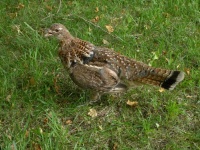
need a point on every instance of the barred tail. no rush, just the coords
(167, 79)
(173, 79)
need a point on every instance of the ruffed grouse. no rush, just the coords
(103, 70)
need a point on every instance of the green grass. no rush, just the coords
(37, 98)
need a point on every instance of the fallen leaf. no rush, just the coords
(16, 28)
(46, 120)
(96, 19)
(68, 122)
(26, 133)
(97, 9)
(40, 130)
(32, 81)
(20, 6)
(189, 96)
(157, 125)
(161, 90)
(109, 28)
(146, 27)
(105, 42)
(164, 52)
(166, 15)
(13, 15)
(187, 70)
(100, 127)
(37, 146)
(132, 103)
(8, 98)
(90, 30)
(13, 146)
(49, 8)
(178, 66)
(155, 56)
(57, 88)
(92, 112)
(115, 146)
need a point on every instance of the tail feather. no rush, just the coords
(171, 82)
(166, 79)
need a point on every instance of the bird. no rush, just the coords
(103, 70)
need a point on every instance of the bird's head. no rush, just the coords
(59, 31)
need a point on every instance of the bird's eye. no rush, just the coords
(57, 30)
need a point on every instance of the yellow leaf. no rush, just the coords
(8, 98)
(109, 28)
(132, 103)
(187, 70)
(157, 125)
(161, 90)
(40, 130)
(105, 42)
(97, 9)
(68, 122)
(100, 127)
(92, 112)
(16, 28)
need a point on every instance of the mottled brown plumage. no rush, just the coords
(103, 70)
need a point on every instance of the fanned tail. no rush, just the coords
(167, 79)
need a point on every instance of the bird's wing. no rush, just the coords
(101, 79)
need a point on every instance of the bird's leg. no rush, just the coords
(95, 97)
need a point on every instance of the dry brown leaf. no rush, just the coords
(46, 120)
(96, 19)
(164, 52)
(13, 15)
(68, 122)
(32, 81)
(97, 9)
(161, 90)
(132, 103)
(115, 146)
(105, 42)
(109, 28)
(20, 6)
(36, 146)
(57, 88)
(92, 112)
(49, 8)
(166, 15)
(26, 133)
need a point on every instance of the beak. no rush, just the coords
(48, 33)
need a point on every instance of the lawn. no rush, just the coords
(42, 109)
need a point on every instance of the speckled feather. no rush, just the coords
(104, 70)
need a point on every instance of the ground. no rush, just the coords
(41, 108)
